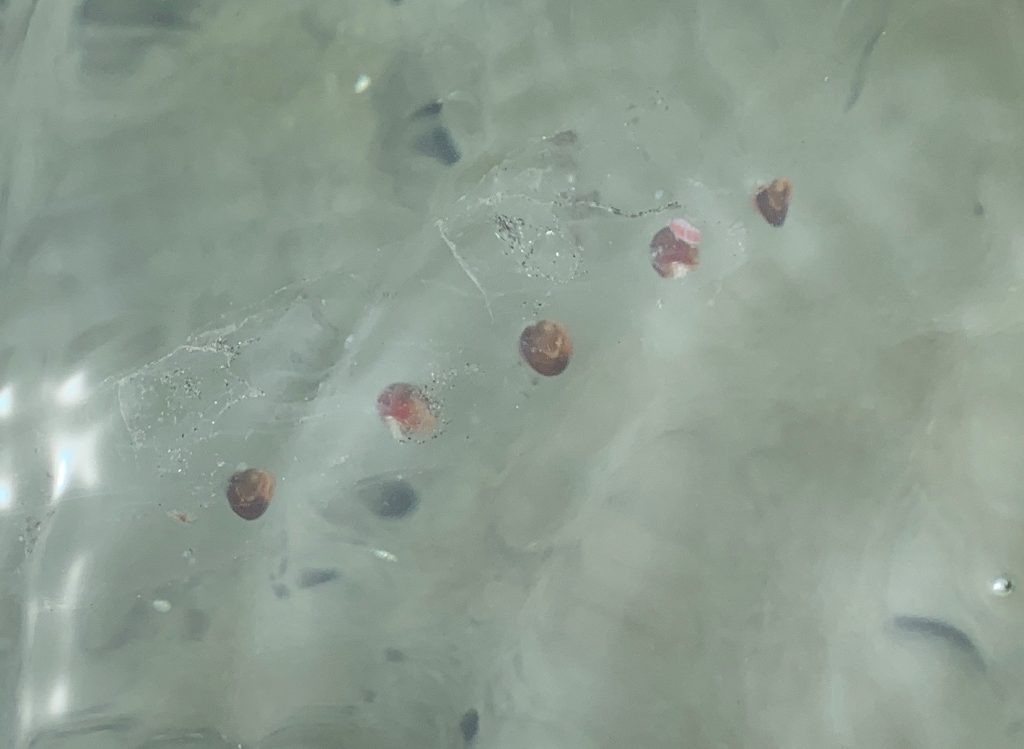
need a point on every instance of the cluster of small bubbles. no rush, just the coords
(524, 239)
(443, 379)
(1001, 586)
(232, 350)
(580, 205)
(188, 383)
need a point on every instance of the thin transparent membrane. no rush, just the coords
(767, 504)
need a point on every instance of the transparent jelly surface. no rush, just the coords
(773, 501)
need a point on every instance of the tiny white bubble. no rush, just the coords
(1002, 586)
(362, 83)
(161, 605)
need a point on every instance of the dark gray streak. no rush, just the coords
(470, 725)
(433, 109)
(940, 631)
(165, 15)
(861, 72)
(80, 724)
(317, 576)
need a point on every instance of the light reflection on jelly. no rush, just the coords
(71, 392)
(74, 459)
(6, 401)
(58, 704)
(6, 493)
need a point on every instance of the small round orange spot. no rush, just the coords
(249, 492)
(546, 347)
(773, 201)
(406, 410)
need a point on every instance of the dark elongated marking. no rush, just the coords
(861, 73)
(174, 16)
(83, 723)
(433, 109)
(317, 576)
(937, 629)
(470, 725)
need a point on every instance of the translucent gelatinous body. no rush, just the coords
(674, 249)
(249, 492)
(406, 411)
(773, 201)
(546, 347)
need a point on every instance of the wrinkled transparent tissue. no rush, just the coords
(773, 502)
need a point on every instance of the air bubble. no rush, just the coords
(1002, 586)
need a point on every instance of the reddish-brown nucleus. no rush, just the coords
(773, 201)
(249, 492)
(674, 249)
(407, 411)
(546, 347)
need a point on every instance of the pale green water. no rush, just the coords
(763, 507)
